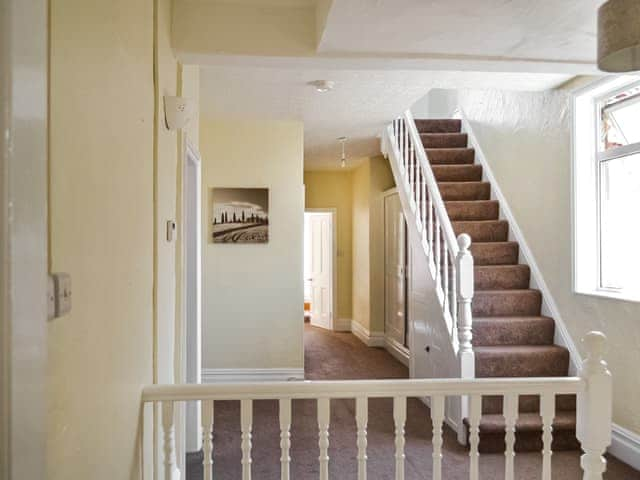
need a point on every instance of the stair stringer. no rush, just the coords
(430, 325)
(549, 307)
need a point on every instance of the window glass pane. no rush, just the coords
(619, 120)
(620, 223)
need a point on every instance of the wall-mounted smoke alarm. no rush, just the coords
(178, 111)
(323, 86)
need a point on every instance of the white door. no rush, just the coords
(321, 271)
(395, 270)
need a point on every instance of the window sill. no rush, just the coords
(624, 297)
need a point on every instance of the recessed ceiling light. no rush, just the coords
(323, 86)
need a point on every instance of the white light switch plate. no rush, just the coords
(59, 294)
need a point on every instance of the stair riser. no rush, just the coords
(492, 231)
(478, 210)
(447, 140)
(506, 303)
(496, 332)
(457, 173)
(495, 254)
(438, 125)
(465, 191)
(563, 440)
(527, 404)
(554, 363)
(451, 156)
(501, 278)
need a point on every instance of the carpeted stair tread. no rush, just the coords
(483, 230)
(472, 210)
(521, 361)
(501, 277)
(464, 190)
(501, 303)
(495, 253)
(438, 125)
(457, 173)
(493, 404)
(451, 156)
(444, 140)
(533, 330)
(528, 422)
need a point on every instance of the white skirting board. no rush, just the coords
(399, 351)
(234, 375)
(625, 446)
(370, 339)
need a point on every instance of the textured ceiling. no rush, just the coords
(361, 104)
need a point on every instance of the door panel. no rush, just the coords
(321, 279)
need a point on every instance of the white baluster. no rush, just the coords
(171, 471)
(362, 416)
(285, 437)
(475, 411)
(423, 211)
(510, 412)
(454, 293)
(593, 422)
(445, 279)
(430, 227)
(419, 199)
(399, 418)
(246, 423)
(547, 411)
(323, 441)
(406, 144)
(206, 415)
(437, 417)
(437, 250)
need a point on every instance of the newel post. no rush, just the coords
(594, 408)
(464, 267)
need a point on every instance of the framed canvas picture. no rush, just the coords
(240, 215)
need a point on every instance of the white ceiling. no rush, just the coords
(549, 30)
(361, 104)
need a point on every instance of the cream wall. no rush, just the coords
(253, 294)
(333, 189)
(112, 168)
(361, 257)
(526, 138)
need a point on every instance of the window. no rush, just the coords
(606, 176)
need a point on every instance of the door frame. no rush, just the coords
(23, 237)
(334, 258)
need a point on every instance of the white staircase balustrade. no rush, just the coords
(593, 388)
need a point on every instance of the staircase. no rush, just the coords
(511, 337)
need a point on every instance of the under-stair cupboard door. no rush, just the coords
(395, 270)
(321, 279)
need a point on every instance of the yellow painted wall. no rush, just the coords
(253, 300)
(361, 256)
(112, 188)
(331, 189)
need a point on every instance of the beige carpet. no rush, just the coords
(342, 356)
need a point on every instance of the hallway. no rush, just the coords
(341, 356)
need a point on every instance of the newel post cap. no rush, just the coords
(464, 242)
(596, 345)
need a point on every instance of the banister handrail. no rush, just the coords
(432, 185)
(355, 388)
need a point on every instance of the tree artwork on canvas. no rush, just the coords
(240, 215)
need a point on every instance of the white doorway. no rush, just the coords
(192, 279)
(319, 266)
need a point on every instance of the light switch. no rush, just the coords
(171, 228)
(59, 294)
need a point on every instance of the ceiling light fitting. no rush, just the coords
(343, 158)
(323, 86)
(619, 36)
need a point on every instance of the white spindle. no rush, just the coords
(423, 211)
(362, 417)
(405, 145)
(323, 437)
(438, 251)
(475, 412)
(430, 226)
(454, 287)
(437, 417)
(510, 412)
(171, 471)
(285, 437)
(206, 415)
(594, 409)
(547, 411)
(399, 418)
(445, 279)
(246, 423)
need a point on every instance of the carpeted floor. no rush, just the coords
(337, 356)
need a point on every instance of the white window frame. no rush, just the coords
(585, 175)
